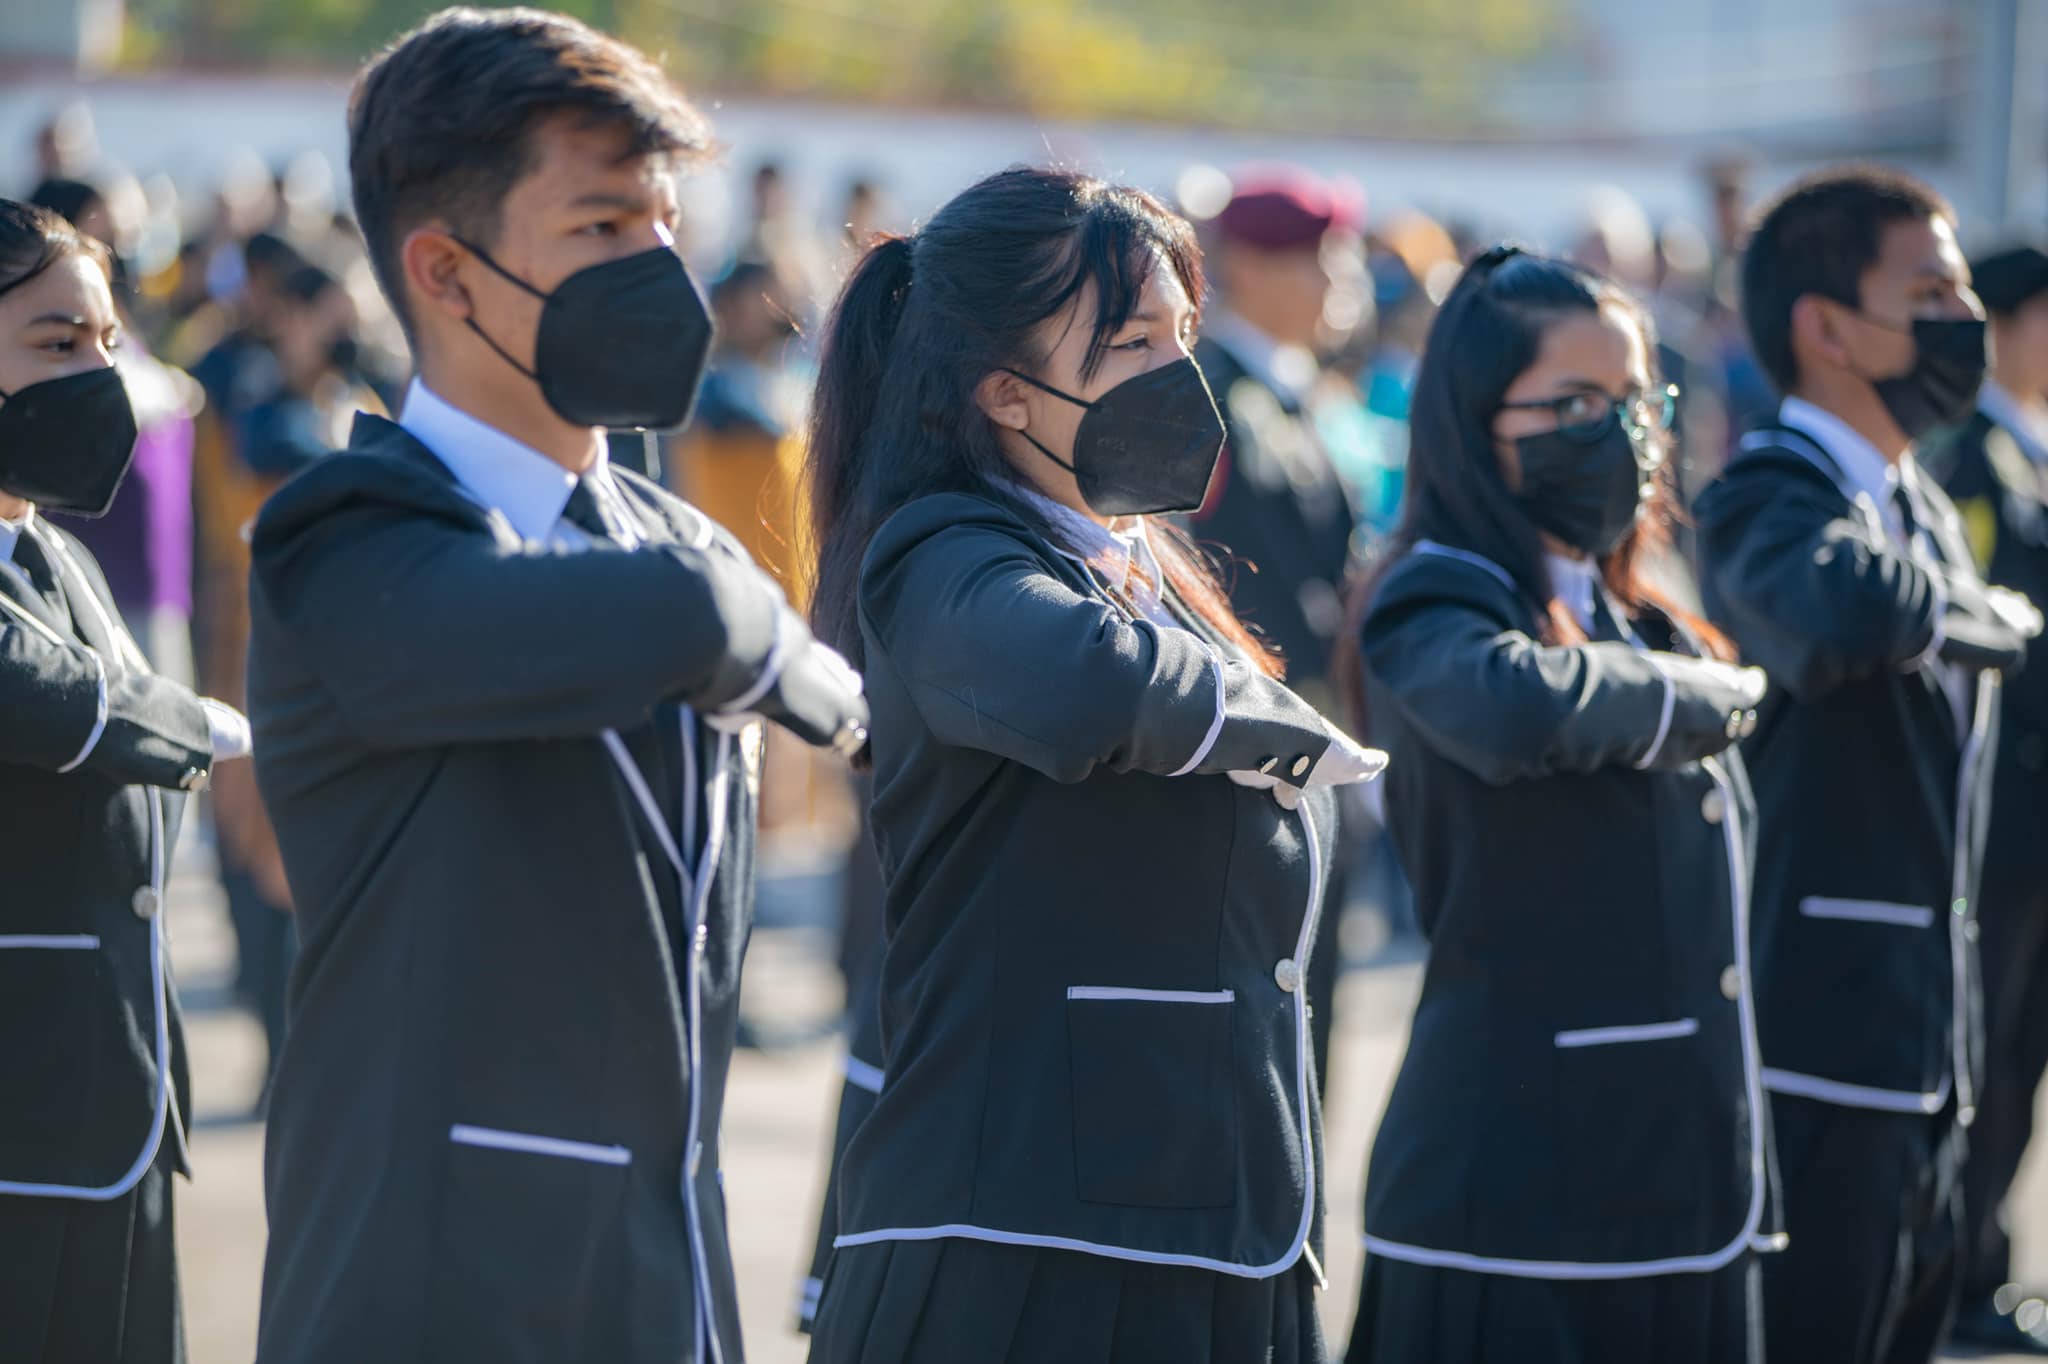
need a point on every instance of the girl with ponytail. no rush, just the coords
(1103, 820)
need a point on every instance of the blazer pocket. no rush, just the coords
(1627, 1032)
(1635, 1119)
(1867, 912)
(1155, 1106)
(51, 1007)
(521, 1231)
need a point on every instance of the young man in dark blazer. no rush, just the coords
(1842, 570)
(1277, 510)
(97, 758)
(1996, 471)
(513, 697)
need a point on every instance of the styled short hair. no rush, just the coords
(1821, 236)
(441, 122)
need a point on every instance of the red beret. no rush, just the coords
(1281, 207)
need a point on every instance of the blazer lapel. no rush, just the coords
(93, 621)
(22, 595)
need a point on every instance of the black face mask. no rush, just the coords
(345, 354)
(1948, 368)
(621, 344)
(1584, 494)
(1148, 445)
(65, 444)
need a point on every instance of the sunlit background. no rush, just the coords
(1633, 134)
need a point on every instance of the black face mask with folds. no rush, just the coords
(65, 444)
(1940, 389)
(1585, 494)
(1148, 445)
(621, 344)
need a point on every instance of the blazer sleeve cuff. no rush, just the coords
(771, 673)
(1649, 758)
(99, 723)
(1201, 753)
(1940, 635)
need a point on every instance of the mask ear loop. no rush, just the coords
(1048, 388)
(470, 322)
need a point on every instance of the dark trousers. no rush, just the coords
(2015, 957)
(92, 1283)
(1872, 1203)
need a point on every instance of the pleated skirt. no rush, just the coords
(976, 1302)
(1413, 1314)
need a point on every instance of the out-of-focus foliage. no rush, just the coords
(1332, 64)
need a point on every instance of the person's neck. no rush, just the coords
(14, 510)
(1042, 475)
(2028, 390)
(1855, 404)
(512, 404)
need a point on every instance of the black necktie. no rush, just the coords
(1902, 501)
(657, 747)
(29, 556)
(588, 511)
(1607, 624)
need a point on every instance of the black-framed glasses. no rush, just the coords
(1588, 415)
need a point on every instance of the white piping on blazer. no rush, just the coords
(162, 1054)
(1752, 1073)
(1297, 1249)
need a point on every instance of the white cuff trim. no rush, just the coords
(99, 723)
(1933, 649)
(771, 673)
(1663, 720)
(1215, 725)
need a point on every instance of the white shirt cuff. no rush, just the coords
(229, 729)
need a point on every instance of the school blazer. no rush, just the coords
(1092, 1009)
(1872, 794)
(494, 1130)
(1278, 508)
(2002, 497)
(1582, 1094)
(97, 754)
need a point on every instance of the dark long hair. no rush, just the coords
(32, 239)
(925, 319)
(1488, 333)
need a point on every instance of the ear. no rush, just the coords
(432, 260)
(1000, 395)
(1817, 333)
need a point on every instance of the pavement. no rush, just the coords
(777, 1128)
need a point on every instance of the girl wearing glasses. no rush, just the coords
(1571, 1168)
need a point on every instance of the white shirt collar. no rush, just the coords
(1868, 471)
(1110, 552)
(1574, 581)
(1289, 369)
(494, 468)
(2028, 424)
(10, 533)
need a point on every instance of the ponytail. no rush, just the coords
(858, 339)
